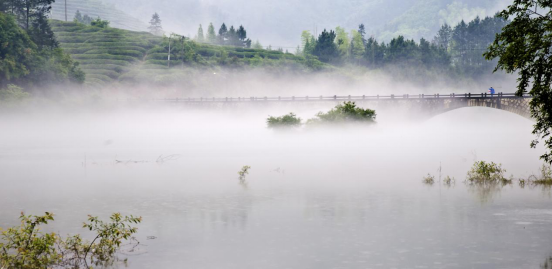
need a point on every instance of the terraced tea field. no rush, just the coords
(104, 54)
(108, 55)
(94, 9)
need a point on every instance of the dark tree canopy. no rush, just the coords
(29, 54)
(325, 48)
(524, 46)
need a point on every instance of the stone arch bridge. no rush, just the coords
(424, 104)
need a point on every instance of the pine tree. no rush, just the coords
(78, 17)
(211, 35)
(200, 37)
(155, 25)
(362, 32)
(326, 49)
(443, 37)
(242, 34)
(223, 34)
(233, 38)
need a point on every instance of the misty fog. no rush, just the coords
(386, 141)
(314, 198)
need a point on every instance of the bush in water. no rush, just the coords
(346, 112)
(289, 120)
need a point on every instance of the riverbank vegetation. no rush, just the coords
(27, 247)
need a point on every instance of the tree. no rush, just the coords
(342, 40)
(326, 48)
(41, 33)
(232, 37)
(307, 46)
(524, 46)
(362, 32)
(211, 35)
(200, 37)
(22, 61)
(242, 34)
(374, 54)
(443, 37)
(78, 17)
(155, 25)
(17, 51)
(222, 34)
(357, 45)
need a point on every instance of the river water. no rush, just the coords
(346, 198)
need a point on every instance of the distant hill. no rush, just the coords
(115, 55)
(94, 9)
(279, 22)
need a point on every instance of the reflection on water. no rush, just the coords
(348, 199)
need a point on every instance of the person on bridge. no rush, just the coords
(492, 91)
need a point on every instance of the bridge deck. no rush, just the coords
(349, 98)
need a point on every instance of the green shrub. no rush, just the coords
(100, 23)
(289, 120)
(346, 112)
(487, 173)
(27, 247)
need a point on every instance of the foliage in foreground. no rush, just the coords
(346, 112)
(28, 248)
(523, 46)
(30, 55)
(289, 120)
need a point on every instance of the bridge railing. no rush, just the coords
(344, 97)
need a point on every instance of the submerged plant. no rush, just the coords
(487, 173)
(448, 181)
(26, 247)
(545, 177)
(289, 120)
(486, 180)
(243, 172)
(346, 112)
(429, 179)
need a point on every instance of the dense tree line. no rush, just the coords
(29, 52)
(467, 42)
(226, 36)
(338, 47)
(457, 48)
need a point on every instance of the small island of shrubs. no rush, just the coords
(347, 112)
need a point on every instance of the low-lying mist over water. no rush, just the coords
(347, 197)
